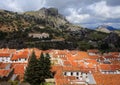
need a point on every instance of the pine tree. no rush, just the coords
(44, 67)
(40, 66)
(38, 70)
(30, 73)
(48, 66)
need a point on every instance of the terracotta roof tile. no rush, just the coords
(4, 72)
(19, 69)
(67, 63)
(93, 51)
(91, 61)
(105, 67)
(21, 54)
(3, 65)
(105, 79)
(4, 54)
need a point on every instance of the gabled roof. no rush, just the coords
(21, 54)
(109, 67)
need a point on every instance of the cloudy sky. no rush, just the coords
(87, 13)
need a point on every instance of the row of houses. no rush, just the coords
(70, 67)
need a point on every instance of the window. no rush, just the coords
(77, 73)
(65, 73)
(77, 77)
(19, 59)
(71, 73)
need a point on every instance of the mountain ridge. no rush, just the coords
(105, 28)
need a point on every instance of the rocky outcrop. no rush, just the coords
(51, 16)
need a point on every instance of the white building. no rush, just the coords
(5, 57)
(39, 35)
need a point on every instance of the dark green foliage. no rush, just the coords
(95, 36)
(40, 66)
(48, 66)
(2, 35)
(30, 74)
(38, 70)
(84, 46)
(44, 67)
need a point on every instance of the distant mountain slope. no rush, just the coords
(106, 28)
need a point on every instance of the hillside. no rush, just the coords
(48, 29)
(10, 21)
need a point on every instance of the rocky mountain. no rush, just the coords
(105, 28)
(51, 17)
(10, 21)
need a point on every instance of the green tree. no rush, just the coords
(44, 66)
(30, 73)
(48, 66)
(40, 66)
(38, 70)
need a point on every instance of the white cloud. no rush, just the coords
(102, 10)
(75, 17)
(84, 12)
(22, 5)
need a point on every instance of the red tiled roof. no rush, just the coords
(110, 56)
(67, 63)
(4, 54)
(11, 50)
(63, 58)
(105, 67)
(37, 52)
(4, 72)
(91, 61)
(71, 77)
(23, 54)
(19, 69)
(3, 65)
(4, 50)
(91, 65)
(93, 51)
(93, 57)
(115, 67)
(105, 79)
(114, 53)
